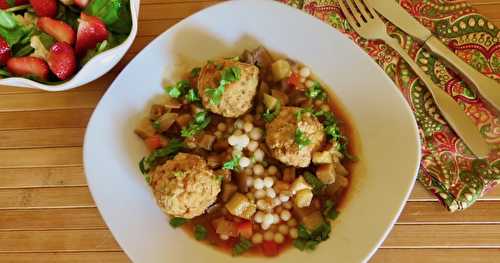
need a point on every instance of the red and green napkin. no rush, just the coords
(447, 168)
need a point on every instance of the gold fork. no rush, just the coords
(366, 22)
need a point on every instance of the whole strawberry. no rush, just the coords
(4, 52)
(62, 60)
(45, 7)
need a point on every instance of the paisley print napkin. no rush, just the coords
(448, 168)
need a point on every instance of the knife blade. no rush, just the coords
(488, 88)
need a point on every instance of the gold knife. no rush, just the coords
(488, 88)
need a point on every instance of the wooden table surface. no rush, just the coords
(48, 215)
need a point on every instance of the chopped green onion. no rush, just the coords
(177, 222)
(200, 232)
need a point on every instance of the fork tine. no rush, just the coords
(370, 9)
(354, 12)
(361, 9)
(351, 19)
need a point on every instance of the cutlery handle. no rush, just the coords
(488, 88)
(451, 111)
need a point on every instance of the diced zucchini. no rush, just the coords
(281, 69)
(321, 157)
(299, 184)
(240, 206)
(326, 173)
(145, 129)
(270, 101)
(303, 198)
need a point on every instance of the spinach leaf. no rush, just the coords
(7, 20)
(12, 31)
(68, 15)
(4, 73)
(23, 51)
(107, 10)
(124, 23)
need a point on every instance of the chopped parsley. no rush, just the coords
(192, 96)
(332, 131)
(200, 122)
(178, 173)
(200, 232)
(176, 222)
(316, 92)
(301, 112)
(301, 139)
(270, 114)
(242, 246)
(178, 90)
(228, 76)
(173, 147)
(312, 180)
(195, 72)
(308, 240)
(329, 210)
(156, 124)
(233, 163)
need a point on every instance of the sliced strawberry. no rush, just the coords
(91, 31)
(4, 51)
(28, 67)
(62, 60)
(4, 4)
(61, 31)
(45, 7)
(82, 3)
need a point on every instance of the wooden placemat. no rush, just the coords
(48, 215)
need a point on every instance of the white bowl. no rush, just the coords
(94, 69)
(386, 132)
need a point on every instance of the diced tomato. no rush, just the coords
(154, 142)
(269, 248)
(294, 79)
(245, 229)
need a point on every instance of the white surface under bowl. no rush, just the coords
(94, 69)
(387, 136)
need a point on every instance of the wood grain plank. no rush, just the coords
(49, 101)
(77, 196)
(45, 119)
(436, 255)
(421, 194)
(57, 240)
(154, 27)
(79, 257)
(41, 138)
(45, 219)
(42, 177)
(41, 157)
(173, 10)
(482, 212)
(444, 236)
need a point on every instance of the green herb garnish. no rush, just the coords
(329, 210)
(177, 221)
(312, 180)
(270, 114)
(179, 89)
(302, 111)
(156, 124)
(301, 139)
(316, 92)
(192, 96)
(200, 232)
(173, 147)
(242, 246)
(200, 122)
(195, 72)
(232, 164)
(308, 240)
(228, 76)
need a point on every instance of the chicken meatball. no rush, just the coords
(185, 186)
(237, 96)
(281, 136)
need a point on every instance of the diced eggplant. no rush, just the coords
(262, 57)
(281, 96)
(326, 173)
(289, 174)
(183, 119)
(157, 110)
(240, 206)
(281, 69)
(241, 179)
(303, 198)
(145, 129)
(322, 157)
(206, 141)
(228, 189)
(166, 120)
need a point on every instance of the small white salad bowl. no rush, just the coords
(94, 69)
